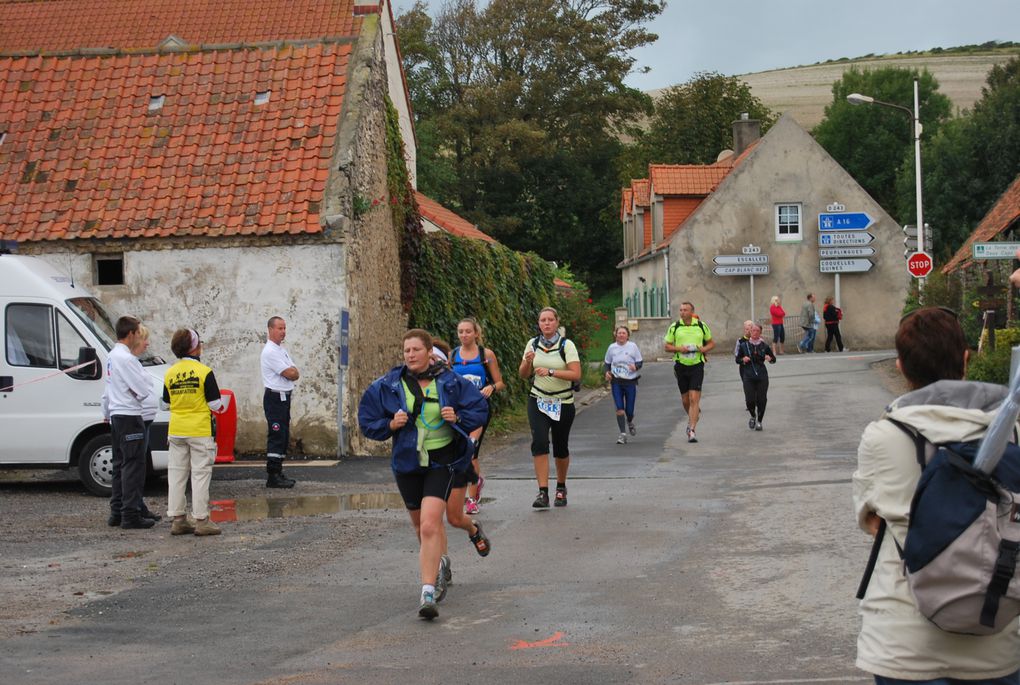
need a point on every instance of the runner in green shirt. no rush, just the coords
(689, 339)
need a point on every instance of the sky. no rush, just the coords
(745, 36)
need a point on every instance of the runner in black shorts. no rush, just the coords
(689, 339)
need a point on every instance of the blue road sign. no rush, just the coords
(845, 221)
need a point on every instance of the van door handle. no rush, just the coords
(6, 383)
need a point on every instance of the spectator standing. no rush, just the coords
(278, 376)
(832, 315)
(778, 315)
(808, 323)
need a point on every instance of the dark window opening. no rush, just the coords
(110, 270)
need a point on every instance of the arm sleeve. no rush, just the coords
(138, 381)
(372, 420)
(277, 363)
(637, 355)
(473, 409)
(886, 474)
(164, 400)
(212, 388)
(570, 350)
(104, 401)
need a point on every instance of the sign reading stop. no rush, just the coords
(919, 264)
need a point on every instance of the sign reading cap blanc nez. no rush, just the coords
(750, 263)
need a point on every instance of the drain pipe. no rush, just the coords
(669, 308)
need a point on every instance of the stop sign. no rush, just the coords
(920, 264)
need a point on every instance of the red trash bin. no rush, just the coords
(226, 429)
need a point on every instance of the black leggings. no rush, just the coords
(541, 425)
(831, 331)
(756, 392)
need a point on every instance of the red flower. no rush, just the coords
(589, 300)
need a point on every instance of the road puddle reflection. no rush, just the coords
(255, 508)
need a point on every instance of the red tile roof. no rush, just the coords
(626, 202)
(642, 197)
(54, 25)
(86, 157)
(1003, 214)
(686, 179)
(448, 221)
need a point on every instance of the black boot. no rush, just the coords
(276, 479)
(134, 520)
(114, 520)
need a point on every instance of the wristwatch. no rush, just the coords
(551, 373)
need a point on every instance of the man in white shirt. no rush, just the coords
(128, 387)
(278, 376)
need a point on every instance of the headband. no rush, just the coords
(194, 339)
(439, 353)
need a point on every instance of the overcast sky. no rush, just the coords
(744, 36)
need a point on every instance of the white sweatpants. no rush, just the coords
(194, 457)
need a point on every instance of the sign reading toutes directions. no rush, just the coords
(840, 239)
(844, 266)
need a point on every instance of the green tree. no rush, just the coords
(693, 121)
(971, 161)
(875, 143)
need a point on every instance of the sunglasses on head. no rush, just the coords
(947, 310)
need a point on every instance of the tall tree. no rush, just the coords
(693, 121)
(971, 161)
(519, 103)
(875, 143)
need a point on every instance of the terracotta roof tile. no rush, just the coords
(642, 196)
(53, 25)
(448, 221)
(103, 165)
(626, 202)
(1003, 214)
(686, 179)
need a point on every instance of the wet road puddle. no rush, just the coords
(255, 508)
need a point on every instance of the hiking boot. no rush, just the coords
(750, 423)
(757, 425)
(113, 521)
(622, 440)
(441, 578)
(470, 506)
(278, 480)
(206, 527)
(135, 522)
(542, 501)
(182, 526)
(561, 497)
(631, 428)
(691, 437)
(145, 513)
(428, 609)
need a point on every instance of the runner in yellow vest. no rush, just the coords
(689, 339)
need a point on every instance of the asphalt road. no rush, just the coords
(733, 560)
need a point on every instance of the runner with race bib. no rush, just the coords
(622, 362)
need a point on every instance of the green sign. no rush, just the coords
(994, 250)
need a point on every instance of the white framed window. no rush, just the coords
(789, 222)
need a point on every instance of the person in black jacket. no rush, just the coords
(831, 314)
(751, 353)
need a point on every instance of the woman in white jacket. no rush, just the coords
(896, 643)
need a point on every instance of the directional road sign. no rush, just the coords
(734, 259)
(920, 264)
(742, 270)
(844, 266)
(844, 252)
(994, 250)
(843, 239)
(845, 221)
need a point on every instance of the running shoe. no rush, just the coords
(480, 540)
(542, 501)
(757, 426)
(448, 570)
(630, 426)
(470, 506)
(561, 498)
(428, 609)
(441, 578)
(750, 423)
(691, 437)
(622, 440)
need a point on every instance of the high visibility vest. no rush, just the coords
(189, 410)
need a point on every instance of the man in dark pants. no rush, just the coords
(127, 387)
(278, 376)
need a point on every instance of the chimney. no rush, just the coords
(745, 132)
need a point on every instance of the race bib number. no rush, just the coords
(621, 370)
(551, 407)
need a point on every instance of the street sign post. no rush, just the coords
(844, 266)
(994, 250)
(920, 264)
(844, 239)
(845, 252)
(845, 221)
(751, 262)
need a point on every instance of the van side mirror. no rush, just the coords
(92, 372)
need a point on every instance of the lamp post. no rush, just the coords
(858, 99)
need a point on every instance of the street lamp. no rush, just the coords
(858, 99)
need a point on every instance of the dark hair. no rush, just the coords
(273, 320)
(689, 304)
(180, 343)
(126, 325)
(931, 347)
(421, 334)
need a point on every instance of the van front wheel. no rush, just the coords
(95, 465)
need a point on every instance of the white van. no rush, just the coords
(50, 415)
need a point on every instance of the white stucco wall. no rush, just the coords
(227, 295)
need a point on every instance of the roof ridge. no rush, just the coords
(172, 49)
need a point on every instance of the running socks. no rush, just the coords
(621, 421)
(428, 588)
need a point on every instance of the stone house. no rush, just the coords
(687, 227)
(212, 165)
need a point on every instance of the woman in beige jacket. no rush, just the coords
(897, 644)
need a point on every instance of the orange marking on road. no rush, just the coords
(553, 641)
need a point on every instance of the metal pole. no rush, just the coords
(837, 294)
(752, 297)
(917, 181)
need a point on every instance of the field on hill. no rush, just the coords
(804, 92)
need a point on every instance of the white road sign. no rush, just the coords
(994, 250)
(844, 266)
(742, 270)
(844, 238)
(844, 252)
(734, 259)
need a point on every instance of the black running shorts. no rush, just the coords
(689, 377)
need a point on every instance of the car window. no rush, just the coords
(69, 341)
(29, 337)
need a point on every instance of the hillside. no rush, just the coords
(804, 92)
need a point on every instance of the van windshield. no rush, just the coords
(92, 314)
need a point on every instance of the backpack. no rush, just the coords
(839, 314)
(575, 386)
(481, 355)
(963, 539)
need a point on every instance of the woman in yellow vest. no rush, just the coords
(190, 392)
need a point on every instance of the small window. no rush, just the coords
(69, 342)
(156, 102)
(109, 269)
(262, 97)
(788, 223)
(30, 336)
